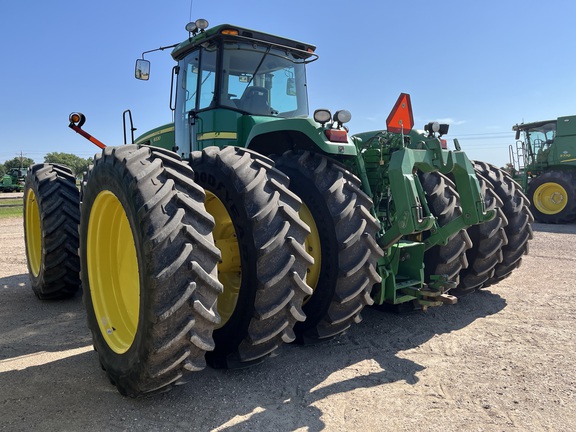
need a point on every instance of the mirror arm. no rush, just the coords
(159, 49)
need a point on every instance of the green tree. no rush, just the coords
(75, 163)
(2, 170)
(18, 162)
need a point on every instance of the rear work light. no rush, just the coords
(322, 116)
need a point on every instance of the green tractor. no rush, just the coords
(13, 180)
(544, 160)
(245, 224)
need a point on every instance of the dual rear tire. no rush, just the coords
(494, 248)
(152, 273)
(518, 220)
(264, 262)
(148, 268)
(51, 217)
(342, 242)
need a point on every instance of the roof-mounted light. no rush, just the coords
(322, 116)
(197, 26)
(201, 24)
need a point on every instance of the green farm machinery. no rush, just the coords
(246, 224)
(13, 180)
(544, 161)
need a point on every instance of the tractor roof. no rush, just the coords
(534, 125)
(232, 31)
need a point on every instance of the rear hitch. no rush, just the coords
(435, 293)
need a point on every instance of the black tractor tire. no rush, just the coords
(264, 260)
(488, 239)
(51, 218)
(148, 268)
(517, 212)
(444, 203)
(553, 197)
(346, 250)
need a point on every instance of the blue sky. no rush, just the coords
(481, 66)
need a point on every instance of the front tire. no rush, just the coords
(148, 268)
(51, 217)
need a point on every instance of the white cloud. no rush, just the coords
(451, 121)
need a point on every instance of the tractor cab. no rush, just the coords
(533, 143)
(230, 78)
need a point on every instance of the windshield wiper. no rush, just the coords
(258, 67)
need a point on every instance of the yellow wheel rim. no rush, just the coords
(312, 245)
(550, 198)
(230, 266)
(33, 233)
(113, 272)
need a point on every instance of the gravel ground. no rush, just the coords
(501, 359)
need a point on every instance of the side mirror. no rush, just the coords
(142, 71)
(517, 134)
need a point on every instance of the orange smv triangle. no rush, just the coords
(401, 119)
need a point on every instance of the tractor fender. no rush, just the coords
(276, 136)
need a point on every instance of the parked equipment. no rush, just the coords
(13, 180)
(246, 224)
(544, 161)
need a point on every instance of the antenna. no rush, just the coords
(191, 4)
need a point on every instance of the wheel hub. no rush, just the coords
(113, 272)
(33, 233)
(230, 266)
(550, 198)
(313, 247)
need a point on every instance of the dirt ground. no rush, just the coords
(501, 359)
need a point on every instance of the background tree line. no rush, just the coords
(75, 163)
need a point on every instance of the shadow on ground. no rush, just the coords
(72, 392)
(554, 228)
